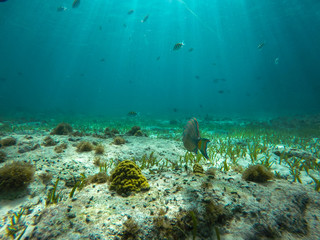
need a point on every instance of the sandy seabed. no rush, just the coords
(179, 204)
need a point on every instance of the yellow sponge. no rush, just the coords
(127, 178)
(198, 169)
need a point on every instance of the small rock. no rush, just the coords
(71, 215)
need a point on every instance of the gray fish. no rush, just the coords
(192, 140)
(145, 19)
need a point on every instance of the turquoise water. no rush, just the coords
(99, 59)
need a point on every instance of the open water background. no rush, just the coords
(98, 59)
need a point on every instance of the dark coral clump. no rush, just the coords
(77, 134)
(136, 131)
(3, 156)
(114, 131)
(131, 229)
(118, 140)
(133, 130)
(214, 213)
(127, 178)
(62, 129)
(99, 149)
(193, 222)
(257, 173)
(48, 142)
(178, 227)
(110, 132)
(16, 176)
(84, 146)
(139, 133)
(99, 178)
(60, 148)
(9, 141)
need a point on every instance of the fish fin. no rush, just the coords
(202, 146)
(192, 128)
(195, 124)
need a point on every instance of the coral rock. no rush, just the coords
(84, 147)
(198, 169)
(119, 140)
(257, 173)
(60, 148)
(48, 142)
(133, 130)
(110, 133)
(62, 129)
(136, 131)
(99, 149)
(16, 176)
(127, 178)
(10, 141)
(139, 133)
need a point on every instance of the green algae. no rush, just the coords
(53, 197)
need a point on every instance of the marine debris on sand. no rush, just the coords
(74, 181)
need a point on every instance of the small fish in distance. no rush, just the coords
(177, 46)
(261, 45)
(132, 114)
(61, 9)
(76, 3)
(145, 19)
(192, 140)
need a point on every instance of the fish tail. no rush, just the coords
(202, 145)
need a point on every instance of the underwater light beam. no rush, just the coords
(203, 23)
